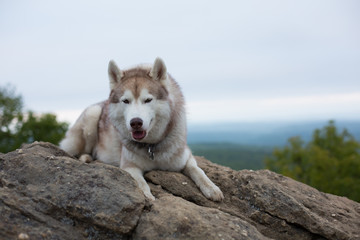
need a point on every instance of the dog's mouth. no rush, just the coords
(138, 135)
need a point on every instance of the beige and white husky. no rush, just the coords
(141, 127)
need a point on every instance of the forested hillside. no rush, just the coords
(232, 155)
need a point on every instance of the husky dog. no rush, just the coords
(142, 126)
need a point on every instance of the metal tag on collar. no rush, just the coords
(151, 151)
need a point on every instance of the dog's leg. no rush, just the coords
(85, 158)
(207, 187)
(81, 138)
(137, 174)
(74, 142)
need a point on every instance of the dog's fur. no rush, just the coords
(142, 126)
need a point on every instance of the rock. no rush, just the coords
(175, 218)
(47, 194)
(279, 207)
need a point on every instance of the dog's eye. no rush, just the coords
(148, 100)
(126, 101)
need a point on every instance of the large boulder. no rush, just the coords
(47, 194)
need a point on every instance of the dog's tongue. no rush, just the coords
(138, 135)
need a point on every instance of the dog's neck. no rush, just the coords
(149, 146)
(141, 146)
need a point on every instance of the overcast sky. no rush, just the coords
(235, 60)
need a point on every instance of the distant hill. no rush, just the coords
(262, 134)
(233, 155)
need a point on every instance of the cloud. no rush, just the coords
(253, 53)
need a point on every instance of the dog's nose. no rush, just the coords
(136, 123)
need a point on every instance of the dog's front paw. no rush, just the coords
(149, 196)
(212, 192)
(85, 158)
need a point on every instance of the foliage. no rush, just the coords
(17, 127)
(330, 162)
(43, 128)
(10, 107)
(10, 116)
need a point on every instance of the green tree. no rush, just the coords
(10, 116)
(10, 107)
(17, 127)
(42, 128)
(330, 162)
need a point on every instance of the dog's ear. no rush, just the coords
(158, 71)
(115, 74)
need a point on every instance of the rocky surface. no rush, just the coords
(47, 194)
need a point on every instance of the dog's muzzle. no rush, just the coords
(138, 133)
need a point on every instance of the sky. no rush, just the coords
(234, 60)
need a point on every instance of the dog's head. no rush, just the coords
(140, 107)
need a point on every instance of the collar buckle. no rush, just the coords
(151, 151)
